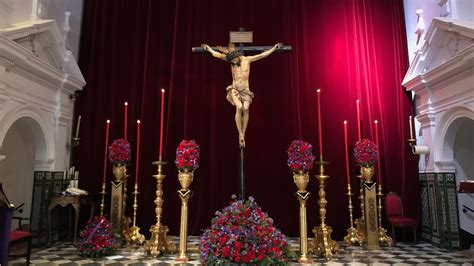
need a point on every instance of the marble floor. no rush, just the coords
(65, 254)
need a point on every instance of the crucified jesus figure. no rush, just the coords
(239, 94)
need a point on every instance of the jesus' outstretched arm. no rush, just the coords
(265, 54)
(213, 53)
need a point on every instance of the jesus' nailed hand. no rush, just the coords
(239, 94)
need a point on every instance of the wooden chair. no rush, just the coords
(396, 216)
(10, 238)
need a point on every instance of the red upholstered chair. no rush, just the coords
(395, 215)
(10, 238)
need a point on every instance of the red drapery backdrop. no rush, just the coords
(350, 49)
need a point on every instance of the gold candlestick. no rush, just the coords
(102, 202)
(134, 235)
(301, 180)
(323, 242)
(125, 220)
(158, 241)
(384, 239)
(353, 237)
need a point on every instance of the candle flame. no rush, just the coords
(126, 103)
(138, 122)
(318, 90)
(163, 90)
(345, 122)
(376, 121)
(108, 121)
(357, 101)
(410, 117)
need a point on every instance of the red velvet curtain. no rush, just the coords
(350, 49)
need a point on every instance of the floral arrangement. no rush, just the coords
(97, 238)
(187, 155)
(365, 153)
(119, 152)
(243, 233)
(300, 156)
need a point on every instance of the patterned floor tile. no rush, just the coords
(65, 254)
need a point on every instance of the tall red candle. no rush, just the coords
(125, 120)
(346, 146)
(320, 129)
(162, 122)
(138, 151)
(358, 120)
(379, 165)
(105, 152)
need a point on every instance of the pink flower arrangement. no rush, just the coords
(119, 152)
(300, 156)
(187, 155)
(365, 153)
(243, 233)
(97, 238)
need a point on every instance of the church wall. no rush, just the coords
(441, 77)
(38, 76)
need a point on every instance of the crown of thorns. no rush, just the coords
(230, 53)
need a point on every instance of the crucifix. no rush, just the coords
(239, 93)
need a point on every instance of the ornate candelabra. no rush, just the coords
(158, 241)
(353, 236)
(323, 242)
(102, 201)
(133, 234)
(384, 239)
(301, 180)
(360, 222)
(125, 220)
(185, 179)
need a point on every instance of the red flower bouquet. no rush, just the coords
(119, 152)
(365, 153)
(243, 233)
(300, 156)
(187, 155)
(97, 238)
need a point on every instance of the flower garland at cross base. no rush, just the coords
(97, 238)
(243, 233)
(365, 153)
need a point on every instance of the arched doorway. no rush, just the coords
(24, 145)
(463, 158)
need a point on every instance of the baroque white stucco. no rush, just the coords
(441, 77)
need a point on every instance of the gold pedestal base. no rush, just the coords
(183, 231)
(182, 258)
(134, 236)
(159, 242)
(384, 239)
(323, 243)
(353, 237)
(302, 197)
(306, 260)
